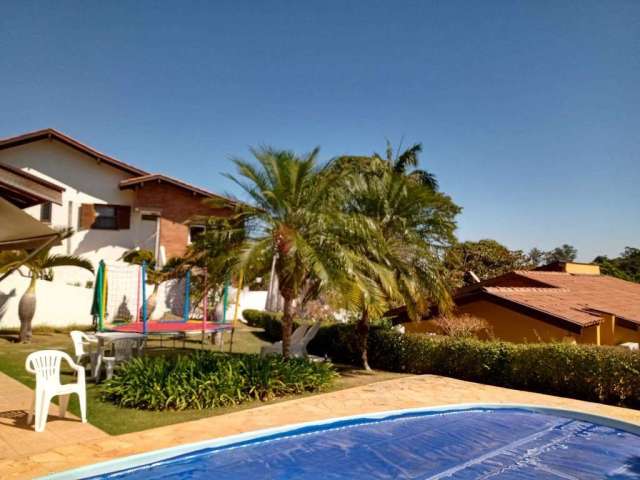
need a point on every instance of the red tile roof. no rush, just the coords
(574, 298)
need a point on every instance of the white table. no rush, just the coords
(104, 339)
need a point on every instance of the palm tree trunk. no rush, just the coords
(27, 310)
(287, 325)
(363, 336)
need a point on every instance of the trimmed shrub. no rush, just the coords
(207, 380)
(588, 372)
(269, 321)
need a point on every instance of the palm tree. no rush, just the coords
(39, 266)
(292, 217)
(401, 162)
(154, 275)
(399, 265)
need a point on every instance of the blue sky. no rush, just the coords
(529, 112)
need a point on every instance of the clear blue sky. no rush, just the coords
(529, 112)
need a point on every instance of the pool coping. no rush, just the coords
(156, 456)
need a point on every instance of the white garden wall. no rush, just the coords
(58, 304)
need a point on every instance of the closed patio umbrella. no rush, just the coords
(20, 231)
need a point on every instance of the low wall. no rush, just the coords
(57, 303)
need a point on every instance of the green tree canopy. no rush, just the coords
(485, 258)
(626, 266)
(564, 253)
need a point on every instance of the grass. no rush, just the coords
(116, 420)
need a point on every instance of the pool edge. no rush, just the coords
(137, 460)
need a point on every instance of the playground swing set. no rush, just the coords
(121, 304)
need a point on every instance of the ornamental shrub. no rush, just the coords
(206, 379)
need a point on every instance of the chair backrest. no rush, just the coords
(46, 365)
(78, 339)
(123, 349)
(299, 332)
(310, 334)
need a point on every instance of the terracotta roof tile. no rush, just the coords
(580, 299)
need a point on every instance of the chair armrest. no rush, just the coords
(73, 364)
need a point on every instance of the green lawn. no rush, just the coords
(116, 420)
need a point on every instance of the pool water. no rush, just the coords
(476, 443)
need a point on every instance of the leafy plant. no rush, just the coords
(208, 380)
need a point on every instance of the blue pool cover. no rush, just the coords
(481, 443)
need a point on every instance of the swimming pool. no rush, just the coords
(463, 442)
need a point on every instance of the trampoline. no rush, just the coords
(467, 442)
(171, 328)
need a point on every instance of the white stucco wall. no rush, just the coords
(256, 300)
(85, 181)
(57, 304)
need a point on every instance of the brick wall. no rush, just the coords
(177, 206)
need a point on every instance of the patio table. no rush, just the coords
(104, 339)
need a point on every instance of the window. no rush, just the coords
(149, 217)
(106, 217)
(195, 231)
(45, 212)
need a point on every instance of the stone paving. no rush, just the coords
(19, 439)
(406, 392)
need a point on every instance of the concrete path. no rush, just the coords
(406, 392)
(18, 439)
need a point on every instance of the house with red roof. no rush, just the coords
(564, 301)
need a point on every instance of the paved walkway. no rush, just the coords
(19, 439)
(406, 392)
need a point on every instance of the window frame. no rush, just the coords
(46, 207)
(96, 226)
(196, 225)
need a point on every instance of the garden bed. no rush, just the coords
(205, 379)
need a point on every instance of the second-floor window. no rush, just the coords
(45, 212)
(195, 231)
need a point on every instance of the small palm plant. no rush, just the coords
(154, 275)
(40, 266)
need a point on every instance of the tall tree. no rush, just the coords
(290, 216)
(626, 266)
(535, 257)
(485, 258)
(39, 266)
(564, 253)
(400, 163)
(397, 264)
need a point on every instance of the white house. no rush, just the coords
(112, 206)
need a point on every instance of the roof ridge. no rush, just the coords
(72, 142)
(528, 289)
(175, 181)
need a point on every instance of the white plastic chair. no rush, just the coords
(123, 351)
(300, 348)
(299, 341)
(81, 341)
(45, 364)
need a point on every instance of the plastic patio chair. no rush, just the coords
(81, 341)
(299, 349)
(300, 338)
(123, 350)
(45, 364)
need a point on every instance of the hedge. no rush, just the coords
(588, 372)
